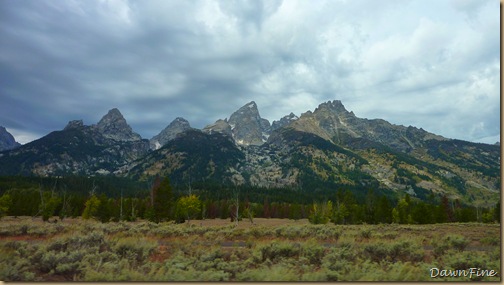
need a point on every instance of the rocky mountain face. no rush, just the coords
(220, 126)
(333, 122)
(176, 127)
(192, 156)
(327, 148)
(284, 121)
(114, 126)
(7, 141)
(247, 126)
(78, 149)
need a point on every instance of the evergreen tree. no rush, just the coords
(383, 212)
(5, 204)
(49, 207)
(295, 212)
(370, 209)
(104, 209)
(421, 213)
(162, 200)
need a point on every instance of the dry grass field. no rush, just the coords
(268, 250)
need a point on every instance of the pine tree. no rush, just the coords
(421, 214)
(104, 209)
(5, 204)
(383, 211)
(162, 197)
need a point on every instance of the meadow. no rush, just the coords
(267, 250)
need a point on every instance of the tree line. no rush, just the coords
(161, 202)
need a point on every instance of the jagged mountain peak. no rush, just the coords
(74, 124)
(177, 126)
(114, 126)
(220, 126)
(249, 109)
(7, 140)
(247, 126)
(180, 120)
(113, 116)
(284, 121)
(334, 105)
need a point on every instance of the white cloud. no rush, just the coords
(21, 136)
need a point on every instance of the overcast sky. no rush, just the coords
(430, 64)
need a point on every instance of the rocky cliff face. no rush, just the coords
(114, 126)
(192, 156)
(284, 121)
(7, 141)
(176, 127)
(247, 126)
(220, 126)
(333, 122)
(78, 149)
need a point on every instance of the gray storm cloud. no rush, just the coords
(433, 64)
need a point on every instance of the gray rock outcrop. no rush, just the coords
(114, 126)
(176, 127)
(284, 121)
(74, 124)
(7, 141)
(247, 126)
(220, 126)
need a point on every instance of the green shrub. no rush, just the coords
(15, 244)
(134, 249)
(398, 251)
(269, 273)
(278, 250)
(366, 234)
(338, 260)
(313, 252)
(15, 269)
(458, 242)
(494, 241)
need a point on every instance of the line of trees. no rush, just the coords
(162, 203)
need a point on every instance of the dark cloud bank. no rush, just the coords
(433, 64)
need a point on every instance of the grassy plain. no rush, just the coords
(268, 250)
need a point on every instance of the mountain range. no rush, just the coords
(327, 148)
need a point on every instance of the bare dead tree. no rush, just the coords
(121, 211)
(236, 193)
(93, 189)
(42, 202)
(189, 186)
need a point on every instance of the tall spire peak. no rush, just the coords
(247, 126)
(114, 126)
